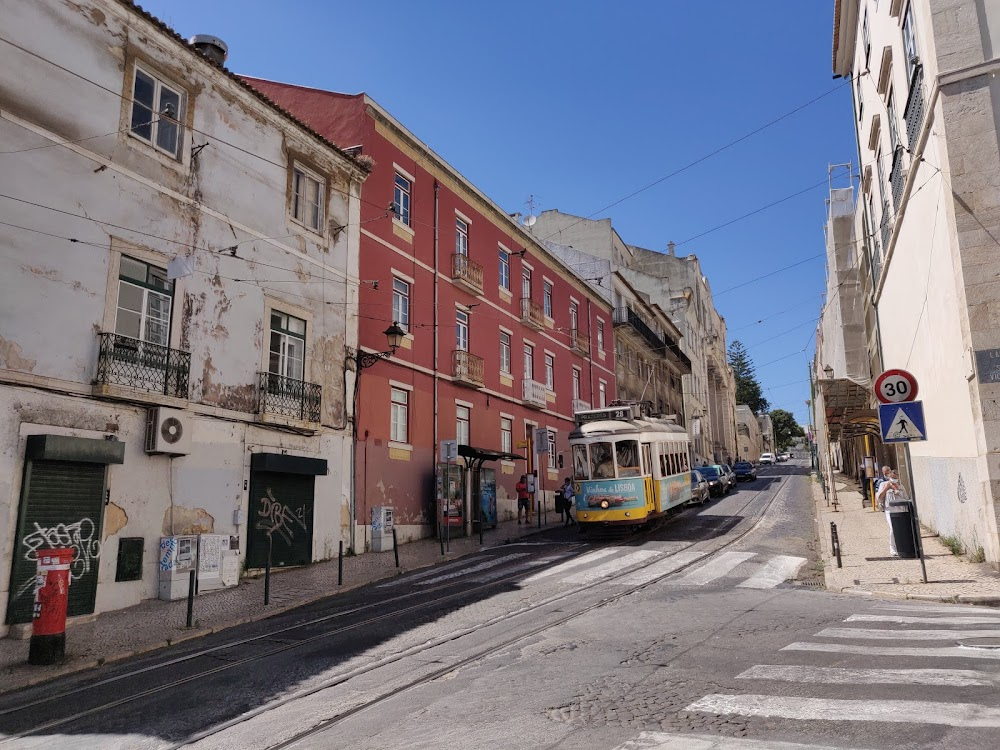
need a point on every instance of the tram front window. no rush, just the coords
(580, 462)
(627, 453)
(602, 461)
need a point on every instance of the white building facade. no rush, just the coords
(748, 438)
(179, 281)
(927, 113)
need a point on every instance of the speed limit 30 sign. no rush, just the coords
(895, 387)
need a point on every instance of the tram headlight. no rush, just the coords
(605, 504)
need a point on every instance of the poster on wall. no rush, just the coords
(209, 555)
(488, 497)
(451, 494)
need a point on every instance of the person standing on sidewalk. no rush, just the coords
(523, 499)
(568, 497)
(889, 491)
(879, 499)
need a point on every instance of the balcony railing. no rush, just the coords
(467, 273)
(578, 340)
(876, 260)
(143, 366)
(627, 316)
(467, 368)
(580, 405)
(914, 112)
(533, 393)
(897, 179)
(287, 397)
(532, 314)
(886, 226)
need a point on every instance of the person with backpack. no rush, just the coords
(568, 496)
(523, 499)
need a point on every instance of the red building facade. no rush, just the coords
(502, 338)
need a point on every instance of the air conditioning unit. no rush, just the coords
(168, 431)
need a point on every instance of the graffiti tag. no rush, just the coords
(168, 548)
(277, 517)
(79, 536)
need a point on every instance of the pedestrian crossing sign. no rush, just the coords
(903, 422)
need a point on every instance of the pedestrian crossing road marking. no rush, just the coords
(840, 676)
(904, 620)
(943, 651)
(906, 635)
(716, 568)
(670, 741)
(777, 570)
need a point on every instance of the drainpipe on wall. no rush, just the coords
(590, 349)
(434, 455)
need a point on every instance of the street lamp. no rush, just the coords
(395, 335)
(829, 372)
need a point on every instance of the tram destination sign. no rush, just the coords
(619, 413)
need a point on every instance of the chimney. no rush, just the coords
(211, 47)
(670, 247)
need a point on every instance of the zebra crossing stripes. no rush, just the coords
(905, 620)
(841, 676)
(491, 563)
(661, 568)
(611, 567)
(950, 609)
(423, 574)
(776, 570)
(906, 635)
(519, 568)
(716, 568)
(671, 741)
(808, 709)
(934, 651)
(586, 559)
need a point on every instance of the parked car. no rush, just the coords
(700, 492)
(766, 459)
(727, 472)
(744, 471)
(717, 485)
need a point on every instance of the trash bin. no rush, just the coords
(901, 518)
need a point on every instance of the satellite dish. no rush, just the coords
(529, 221)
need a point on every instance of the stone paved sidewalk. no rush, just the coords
(154, 624)
(870, 571)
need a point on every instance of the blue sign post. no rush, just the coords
(903, 422)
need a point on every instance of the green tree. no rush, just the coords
(748, 390)
(786, 430)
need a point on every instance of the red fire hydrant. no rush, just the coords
(48, 628)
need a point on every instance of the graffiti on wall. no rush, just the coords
(277, 518)
(81, 537)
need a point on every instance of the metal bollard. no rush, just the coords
(340, 564)
(192, 582)
(441, 539)
(835, 543)
(267, 573)
(395, 546)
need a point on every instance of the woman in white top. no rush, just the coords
(888, 491)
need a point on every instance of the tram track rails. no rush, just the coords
(346, 676)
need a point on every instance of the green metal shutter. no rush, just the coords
(280, 505)
(62, 504)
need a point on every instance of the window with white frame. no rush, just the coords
(288, 346)
(506, 434)
(890, 113)
(866, 38)
(401, 303)
(550, 371)
(574, 316)
(547, 299)
(600, 335)
(576, 384)
(401, 199)
(461, 237)
(505, 352)
(462, 418)
(157, 113)
(526, 283)
(910, 43)
(861, 101)
(307, 198)
(461, 330)
(399, 429)
(552, 449)
(529, 362)
(602, 391)
(145, 299)
(504, 270)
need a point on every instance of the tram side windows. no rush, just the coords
(647, 459)
(627, 455)
(602, 461)
(581, 464)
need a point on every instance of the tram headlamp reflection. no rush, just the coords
(605, 504)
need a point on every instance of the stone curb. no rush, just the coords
(983, 601)
(93, 663)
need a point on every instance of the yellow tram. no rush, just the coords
(628, 468)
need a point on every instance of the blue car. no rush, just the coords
(745, 471)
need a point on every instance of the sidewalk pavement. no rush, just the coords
(154, 624)
(869, 570)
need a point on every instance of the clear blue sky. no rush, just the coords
(583, 103)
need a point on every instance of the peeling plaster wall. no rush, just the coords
(114, 195)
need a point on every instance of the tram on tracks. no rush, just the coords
(629, 468)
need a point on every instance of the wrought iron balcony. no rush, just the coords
(466, 273)
(580, 405)
(876, 260)
(533, 393)
(627, 316)
(467, 368)
(287, 397)
(532, 314)
(914, 112)
(143, 366)
(897, 178)
(578, 340)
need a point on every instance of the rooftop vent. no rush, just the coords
(211, 47)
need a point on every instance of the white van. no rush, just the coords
(766, 459)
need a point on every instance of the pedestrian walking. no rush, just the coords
(568, 497)
(523, 499)
(879, 499)
(889, 491)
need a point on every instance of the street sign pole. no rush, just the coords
(916, 518)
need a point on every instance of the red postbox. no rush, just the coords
(48, 627)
